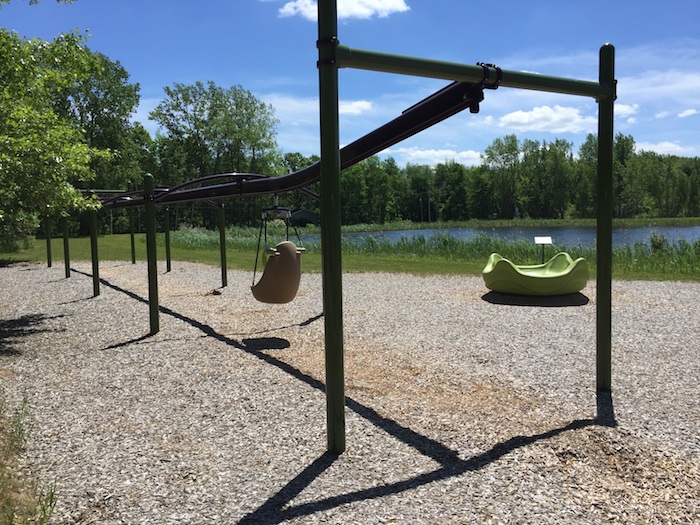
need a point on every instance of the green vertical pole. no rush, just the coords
(47, 231)
(604, 221)
(168, 265)
(95, 257)
(151, 253)
(66, 247)
(222, 244)
(330, 223)
(131, 232)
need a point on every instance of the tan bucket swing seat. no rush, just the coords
(279, 282)
(280, 279)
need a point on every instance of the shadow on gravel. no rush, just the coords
(277, 509)
(127, 343)
(6, 263)
(572, 299)
(13, 329)
(259, 344)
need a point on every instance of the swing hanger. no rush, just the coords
(277, 211)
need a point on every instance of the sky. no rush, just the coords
(269, 48)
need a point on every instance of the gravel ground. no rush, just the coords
(462, 406)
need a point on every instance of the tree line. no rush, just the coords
(516, 179)
(66, 128)
(525, 178)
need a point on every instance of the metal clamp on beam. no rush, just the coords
(487, 74)
(331, 42)
(323, 41)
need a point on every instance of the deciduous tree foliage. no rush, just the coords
(42, 154)
(100, 104)
(216, 130)
(65, 125)
(502, 157)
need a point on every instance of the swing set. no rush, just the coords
(283, 268)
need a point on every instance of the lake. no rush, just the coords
(561, 235)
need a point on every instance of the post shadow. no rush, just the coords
(605, 411)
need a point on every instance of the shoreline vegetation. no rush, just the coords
(525, 222)
(659, 259)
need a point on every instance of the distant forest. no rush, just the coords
(525, 178)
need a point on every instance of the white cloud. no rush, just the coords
(293, 110)
(652, 88)
(305, 8)
(662, 114)
(304, 110)
(356, 107)
(663, 148)
(687, 113)
(362, 9)
(433, 156)
(557, 119)
(625, 110)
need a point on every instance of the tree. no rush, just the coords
(691, 167)
(503, 159)
(584, 177)
(218, 130)
(451, 191)
(532, 181)
(100, 104)
(624, 189)
(397, 187)
(378, 190)
(418, 202)
(549, 179)
(292, 162)
(479, 193)
(42, 155)
(354, 202)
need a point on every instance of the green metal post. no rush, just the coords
(332, 277)
(168, 265)
(95, 257)
(47, 230)
(151, 253)
(66, 247)
(604, 221)
(222, 245)
(131, 232)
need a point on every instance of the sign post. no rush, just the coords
(543, 241)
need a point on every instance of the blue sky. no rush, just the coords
(268, 47)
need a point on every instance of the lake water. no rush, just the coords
(561, 235)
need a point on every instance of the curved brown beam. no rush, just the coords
(443, 104)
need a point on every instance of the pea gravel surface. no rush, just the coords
(463, 406)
